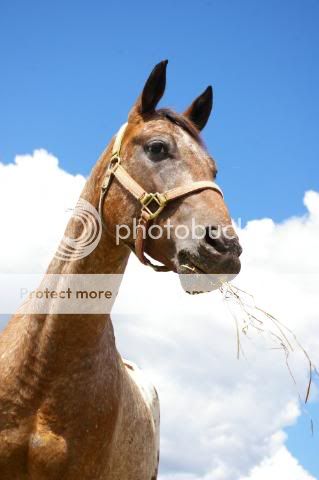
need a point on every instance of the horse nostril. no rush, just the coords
(216, 238)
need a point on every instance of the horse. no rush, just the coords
(70, 406)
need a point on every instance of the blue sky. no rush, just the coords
(70, 72)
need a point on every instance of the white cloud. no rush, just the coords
(222, 418)
(281, 465)
(35, 195)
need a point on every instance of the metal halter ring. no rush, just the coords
(114, 163)
(153, 203)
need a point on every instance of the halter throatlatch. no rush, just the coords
(152, 203)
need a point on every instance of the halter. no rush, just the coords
(152, 203)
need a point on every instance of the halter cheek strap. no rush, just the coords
(152, 204)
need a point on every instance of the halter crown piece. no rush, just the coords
(152, 203)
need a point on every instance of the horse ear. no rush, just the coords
(153, 90)
(200, 109)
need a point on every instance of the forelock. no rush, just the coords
(181, 121)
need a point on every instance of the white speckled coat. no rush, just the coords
(70, 408)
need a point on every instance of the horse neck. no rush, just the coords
(80, 334)
(108, 257)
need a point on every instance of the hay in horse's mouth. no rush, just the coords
(249, 317)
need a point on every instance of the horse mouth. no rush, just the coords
(199, 275)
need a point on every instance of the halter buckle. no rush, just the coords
(114, 163)
(153, 204)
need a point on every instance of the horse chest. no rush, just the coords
(135, 448)
(47, 455)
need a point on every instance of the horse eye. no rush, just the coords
(156, 150)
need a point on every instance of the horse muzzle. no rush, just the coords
(209, 263)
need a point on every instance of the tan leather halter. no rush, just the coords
(152, 203)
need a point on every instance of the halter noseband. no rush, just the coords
(152, 203)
